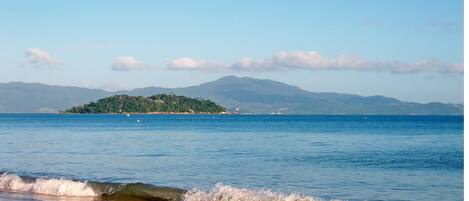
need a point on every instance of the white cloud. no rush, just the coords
(314, 61)
(429, 65)
(39, 57)
(127, 63)
(291, 60)
(186, 63)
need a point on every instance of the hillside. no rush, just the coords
(236, 94)
(251, 95)
(161, 103)
(18, 97)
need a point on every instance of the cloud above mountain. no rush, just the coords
(127, 63)
(311, 60)
(186, 63)
(40, 58)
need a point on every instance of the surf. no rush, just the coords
(67, 189)
(229, 193)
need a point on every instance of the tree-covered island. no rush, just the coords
(160, 103)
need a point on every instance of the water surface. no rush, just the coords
(330, 157)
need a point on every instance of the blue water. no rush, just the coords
(332, 157)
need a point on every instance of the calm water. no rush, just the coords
(331, 157)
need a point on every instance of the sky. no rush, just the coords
(407, 49)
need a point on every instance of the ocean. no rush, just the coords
(230, 157)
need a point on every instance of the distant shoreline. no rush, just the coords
(131, 113)
(266, 114)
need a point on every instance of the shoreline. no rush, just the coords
(267, 114)
(147, 113)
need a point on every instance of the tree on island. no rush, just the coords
(160, 103)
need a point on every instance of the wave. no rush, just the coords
(15, 183)
(228, 193)
(98, 191)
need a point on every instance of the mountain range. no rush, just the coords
(237, 94)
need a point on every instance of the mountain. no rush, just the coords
(18, 97)
(245, 95)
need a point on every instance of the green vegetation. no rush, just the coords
(161, 103)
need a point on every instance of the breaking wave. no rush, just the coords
(137, 191)
(228, 193)
(15, 183)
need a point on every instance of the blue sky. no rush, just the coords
(411, 50)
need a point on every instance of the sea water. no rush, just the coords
(232, 157)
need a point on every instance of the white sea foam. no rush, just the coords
(228, 193)
(64, 187)
(14, 183)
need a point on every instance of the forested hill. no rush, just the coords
(161, 103)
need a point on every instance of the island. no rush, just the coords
(156, 104)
